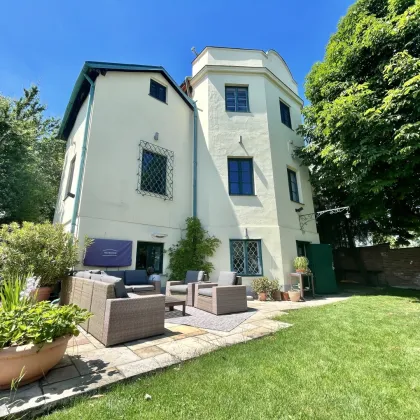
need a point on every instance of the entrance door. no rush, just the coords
(321, 263)
(149, 254)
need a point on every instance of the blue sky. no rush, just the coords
(46, 41)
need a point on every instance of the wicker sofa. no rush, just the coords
(227, 296)
(135, 281)
(114, 320)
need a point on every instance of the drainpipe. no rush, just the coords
(83, 155)
(195, 163)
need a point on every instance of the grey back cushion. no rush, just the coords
(135, 277)
(119, 287)
(116, 273)
(194, 276)
(226, 278)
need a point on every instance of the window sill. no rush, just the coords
(154, 97)
(297, 202)
(242, 195)
(239, 112)
(250, 275)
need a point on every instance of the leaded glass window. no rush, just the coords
(246, 257)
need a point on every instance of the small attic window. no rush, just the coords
(157, 90)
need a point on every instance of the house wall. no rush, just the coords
(124, 113)
(269, 215)
(64, 205)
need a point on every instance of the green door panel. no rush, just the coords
(321, 263)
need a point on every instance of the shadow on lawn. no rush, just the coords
(360, 290)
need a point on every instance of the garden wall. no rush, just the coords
(385, 266)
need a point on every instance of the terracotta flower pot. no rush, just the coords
(43, 293)
(276, 295)
(284, 295)
(294, 295)
(33, 360)
(262, 297)
(300, 270)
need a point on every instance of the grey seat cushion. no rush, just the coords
(135, 277)
(141, 288)
(208, 291)
(226, 278)
(194, 276)
(182, 288)
(119, 288)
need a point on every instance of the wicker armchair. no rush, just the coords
(115, 320)
(185, 288)
(227, 296)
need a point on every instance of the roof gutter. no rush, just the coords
(83, 155)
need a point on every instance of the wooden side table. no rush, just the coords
(301, 276)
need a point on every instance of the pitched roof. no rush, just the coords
(92, 69)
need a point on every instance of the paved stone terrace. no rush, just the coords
(88, 365)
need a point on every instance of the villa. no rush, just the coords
(144, 153)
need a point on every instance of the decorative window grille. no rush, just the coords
(246, 257)
(155, 171)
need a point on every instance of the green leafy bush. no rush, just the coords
(191, 252)
(44, 249)
(39, 323)
(261, 285)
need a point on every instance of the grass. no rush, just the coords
(358, 359)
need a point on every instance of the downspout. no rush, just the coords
(83, 155)
(195, 162)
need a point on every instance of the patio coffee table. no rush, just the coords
(171, 301)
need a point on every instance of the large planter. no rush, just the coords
(34, 360)
(284, 295)
(294, 295)
(276, 295)
(43, 293)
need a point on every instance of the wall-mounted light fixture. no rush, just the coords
(240, 139)
(156, 136)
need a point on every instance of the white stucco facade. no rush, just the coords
(124, 114)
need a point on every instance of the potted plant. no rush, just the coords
(44, 249)
(294, 293)
(275, 290)
(284, 295)
(301, 264)
(33, 335)
(262, 287)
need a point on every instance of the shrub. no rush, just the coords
(191, 252)
(44, 249)
(39, 323)
(261, 285)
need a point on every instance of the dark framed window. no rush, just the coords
(245, 257)
(157, 90)
(236, 99)
(149, 254)
(241, 176)
(70, 178)
(285, 114)
(293, 185)
(153, 173)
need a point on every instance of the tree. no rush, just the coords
(191, 252)
(363, 123)
(31, 159)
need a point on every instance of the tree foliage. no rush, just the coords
(31, 159)
(363, 123)
(191, 252)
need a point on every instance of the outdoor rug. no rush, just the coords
(201, 319)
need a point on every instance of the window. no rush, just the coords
(157, 90)
(236, 99)
(70, 179)
(245, 256)
(241, 177)
(285, 114)
(153, 173)
(293, 185)
(149, 254)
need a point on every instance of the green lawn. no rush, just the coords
(358, 359)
